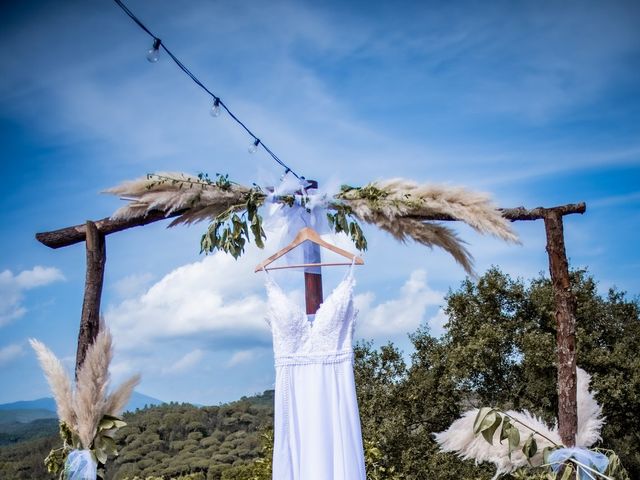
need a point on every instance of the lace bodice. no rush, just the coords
(296, 339)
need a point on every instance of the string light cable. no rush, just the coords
(218, 104)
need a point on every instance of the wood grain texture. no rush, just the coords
(90, 318)
(565, 308)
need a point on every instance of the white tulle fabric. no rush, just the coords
(316, 425)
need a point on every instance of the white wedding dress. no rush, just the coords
(316, 425)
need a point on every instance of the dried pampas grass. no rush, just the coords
(170, 192)
(59, 382)
(83, 409)
(459, 437)
(425, 233)
(401, 207)
(404, 198)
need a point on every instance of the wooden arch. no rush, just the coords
(93, 233)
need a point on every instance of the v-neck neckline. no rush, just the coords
(303, 316)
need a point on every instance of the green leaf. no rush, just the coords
(109, 446)
(344, 226)
(331, 219)
(514, 438)
(530, 447)
(488, 433)
(106, 424)
(504, 432)
(101, 455)
(568, 473)
(482, 413)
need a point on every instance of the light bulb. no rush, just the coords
(154, 52)
(254, 146)
(215, 108)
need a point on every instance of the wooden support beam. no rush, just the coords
(76, 234)
(90, 319)
(312, 278)
(565, 310)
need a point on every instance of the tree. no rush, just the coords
(499, 350)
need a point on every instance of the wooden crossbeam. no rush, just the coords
(76, 234)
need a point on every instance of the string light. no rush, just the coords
(253, 148)
(154, 52)
(216, 109)
(218, 104)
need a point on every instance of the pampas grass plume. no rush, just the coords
(83, 410)
(59, 382)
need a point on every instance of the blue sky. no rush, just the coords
(537, 103)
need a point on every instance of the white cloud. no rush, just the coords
(400, 315)
(10, 353)
(132, 285)
(189, 360)
(12, 288)
(215, 299)
(240, 357)
(437, 322)
(37, 277)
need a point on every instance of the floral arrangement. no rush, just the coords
(88, 414)
(400, 207)
(521, 444)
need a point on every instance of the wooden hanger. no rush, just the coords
(309, 234)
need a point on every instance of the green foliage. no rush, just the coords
(369, 192)
(23, 430)
(23, 461)
(177, 440)
(230, 232)
(376, 464)
(499, 349)
(57, 456)
(103, 446)
(489, 420)
(615, 468)
(221, 181)
(343, 220)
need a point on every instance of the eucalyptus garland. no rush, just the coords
(343, 220)
(241, 223)
(230, 231)
(403, 208)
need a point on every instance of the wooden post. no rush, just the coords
(312, 275)
(90, 319)
(565, 308)
(312, 278)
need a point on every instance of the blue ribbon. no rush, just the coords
(595, 460)
(81, 465)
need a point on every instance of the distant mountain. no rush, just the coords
(140, 400)
(46, 406)
(220, 440)
(24, 415)
(39, 404)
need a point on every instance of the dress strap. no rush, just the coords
(349, 274)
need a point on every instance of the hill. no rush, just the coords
(138, 400)
(165, 440)
(24, 415)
